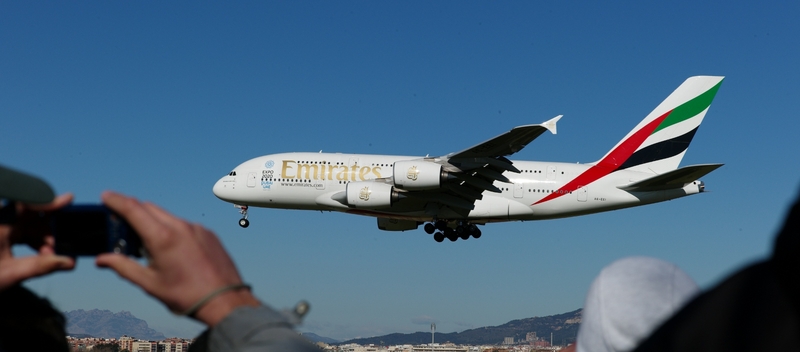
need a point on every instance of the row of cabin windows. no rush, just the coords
(346, 182)
(548, 191)
(288, 180)
(535, 171)
(541, 191)
(233, 173)
(299, 180)
(329, 163)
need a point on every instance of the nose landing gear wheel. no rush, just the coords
(243, 222)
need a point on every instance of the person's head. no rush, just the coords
(628, 300)
(30, 323)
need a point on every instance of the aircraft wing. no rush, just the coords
(489, 157)
(473, 170)
(507, 143)
(671, 180)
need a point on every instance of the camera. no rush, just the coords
(89, 230)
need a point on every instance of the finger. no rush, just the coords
(19, 269)
(31, 225)
(127, 268)
(48, 246)
(135, 213)
(162, 215)
(59, 202)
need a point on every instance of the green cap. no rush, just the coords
(21, 187)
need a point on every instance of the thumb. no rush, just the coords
(18, 269)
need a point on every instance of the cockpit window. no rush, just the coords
(232, 173)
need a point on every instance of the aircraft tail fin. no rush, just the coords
(659, 142)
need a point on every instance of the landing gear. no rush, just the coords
(463, 230)
(243, 222)
(450, 234)
(474, 231)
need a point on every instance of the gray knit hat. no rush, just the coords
(628, 300)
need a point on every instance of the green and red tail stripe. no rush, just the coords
(629, 152)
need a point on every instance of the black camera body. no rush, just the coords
(89, 230)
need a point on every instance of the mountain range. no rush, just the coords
(564, 328)
(316, 338)
(105, 324)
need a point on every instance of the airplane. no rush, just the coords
(453, 193)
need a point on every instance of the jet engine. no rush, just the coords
(418, 175)
(371, 195)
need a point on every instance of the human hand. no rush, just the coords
(186, 261)
(31, 229)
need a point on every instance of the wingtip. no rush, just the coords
(550, 125)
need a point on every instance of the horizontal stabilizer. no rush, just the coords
(671, 180)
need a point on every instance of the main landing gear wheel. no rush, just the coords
(476, 233)
(463, 231)
(244, 223)
(451, 234)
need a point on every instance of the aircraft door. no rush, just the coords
(320, 183)
(551, 172)
(353, 174)
(352, 161)
(518, 190)
(583, 194)
(251, 179)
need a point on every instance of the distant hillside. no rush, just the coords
(316, 338)
(564, 328)
(105, 324)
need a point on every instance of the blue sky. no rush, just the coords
(159, 100)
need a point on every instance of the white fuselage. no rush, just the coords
(308, 181)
